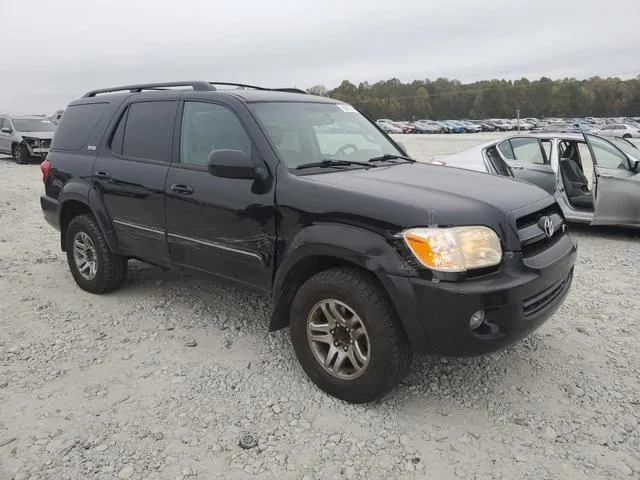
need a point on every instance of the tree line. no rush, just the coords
(451, 99)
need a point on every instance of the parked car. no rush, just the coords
(454, 127)
(595, 180)
(440, 127)
(406, 127)
(368, 255)
(388, 126)
(427, 127)
(25, 136)
(621, 130)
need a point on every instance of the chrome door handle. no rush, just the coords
(183, 189)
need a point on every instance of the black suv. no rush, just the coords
(367, 255)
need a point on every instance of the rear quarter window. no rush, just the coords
(76, 124)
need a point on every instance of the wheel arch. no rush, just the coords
(349, 247)
(80, 199)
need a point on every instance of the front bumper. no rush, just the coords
(517, 299)
(38, 152)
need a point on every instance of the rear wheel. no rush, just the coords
(93, 266)
(347, 337)
(20, 154)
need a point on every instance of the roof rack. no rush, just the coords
(196, 85)
(255, 87)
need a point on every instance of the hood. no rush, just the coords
(40, 135)
(412, 183)
(391, 198)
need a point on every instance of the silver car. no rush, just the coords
(595, 180)
(623, 130)
(25, 136)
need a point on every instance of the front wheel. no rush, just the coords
(93, 266)
(347, 337)
(20, 154)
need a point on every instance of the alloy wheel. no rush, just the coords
(338, 339)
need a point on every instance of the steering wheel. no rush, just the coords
(342, 150)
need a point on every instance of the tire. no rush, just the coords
(20, 154)
(109, 271)
(388, 355)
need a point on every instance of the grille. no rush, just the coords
(533, 238)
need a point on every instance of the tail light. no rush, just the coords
(45, 168)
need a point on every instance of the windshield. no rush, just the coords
(306, 133)
(33, 125)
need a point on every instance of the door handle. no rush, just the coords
(102, 175)
(606, 175)
(517, 167)
(182, 189)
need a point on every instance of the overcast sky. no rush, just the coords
(55, 50)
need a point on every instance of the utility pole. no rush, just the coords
(518, 117)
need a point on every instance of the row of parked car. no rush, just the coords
(626, 127)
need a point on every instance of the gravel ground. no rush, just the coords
(162, 378)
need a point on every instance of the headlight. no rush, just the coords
(455, 249)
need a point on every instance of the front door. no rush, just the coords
(5, 137)
(529, 161)
(219, 225)
(617, 186)
(129, 174)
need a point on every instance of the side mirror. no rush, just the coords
(233, 164)
(635, 166)
(402, 147)
(6, 130)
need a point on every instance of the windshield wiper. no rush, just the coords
(391, 156)
(329, 162)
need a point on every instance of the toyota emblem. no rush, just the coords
(547, 225)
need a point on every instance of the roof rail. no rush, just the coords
(244, 85)
(291, 90)
(196, 85)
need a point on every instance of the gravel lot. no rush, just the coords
(162, 378)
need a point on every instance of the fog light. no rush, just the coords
(477, 319)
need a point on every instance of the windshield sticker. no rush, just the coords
(347, 108)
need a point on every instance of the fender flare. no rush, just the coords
(87, 195)
(362, 248)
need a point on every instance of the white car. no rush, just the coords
(623, 130)
(387, 126)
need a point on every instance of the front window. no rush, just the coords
(606, 155)
(33, 125)
(313, 132)
(627, 147)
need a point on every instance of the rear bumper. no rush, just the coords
(517, 300)
(50, 211)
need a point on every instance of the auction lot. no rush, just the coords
(112, 386)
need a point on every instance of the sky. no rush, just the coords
(60, 49)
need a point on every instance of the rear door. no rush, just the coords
(617, 186)
(527, 158)
(130, 173)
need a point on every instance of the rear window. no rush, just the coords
(76, 124)
(147, 131)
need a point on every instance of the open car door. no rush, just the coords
(528, 160)
(617, 183)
